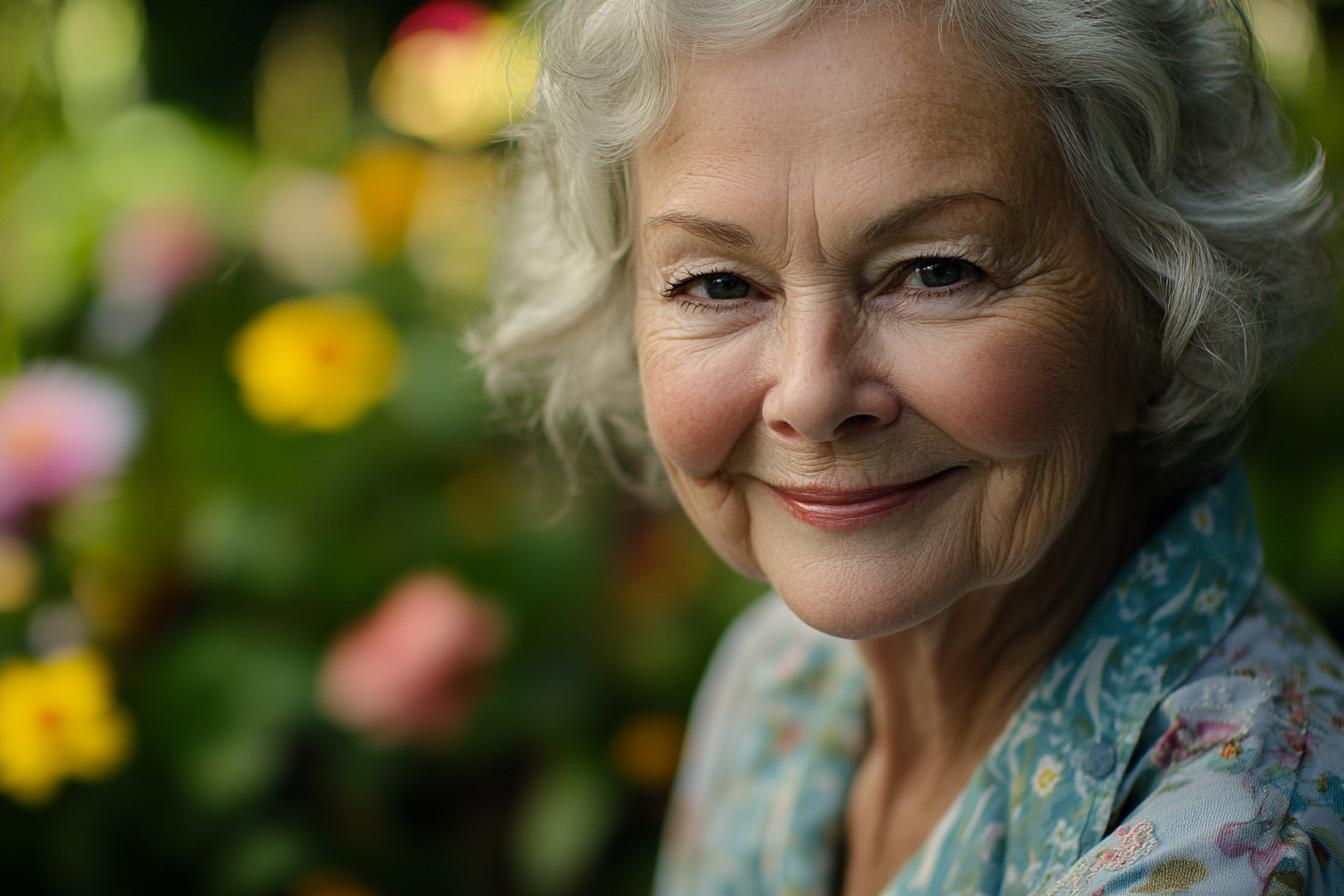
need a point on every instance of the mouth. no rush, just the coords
(844, 508)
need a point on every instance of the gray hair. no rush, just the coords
(1172, 140)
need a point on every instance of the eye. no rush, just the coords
(939, 273)
(718, 286)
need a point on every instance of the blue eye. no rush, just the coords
(721, 286)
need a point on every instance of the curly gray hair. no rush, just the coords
(1172, 139)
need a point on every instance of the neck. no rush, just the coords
(941, 692)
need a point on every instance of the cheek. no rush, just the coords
(698, 400)
(1008, 394)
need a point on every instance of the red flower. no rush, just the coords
(411, 670)
(452, 16)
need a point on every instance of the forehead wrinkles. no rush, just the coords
(748, 135)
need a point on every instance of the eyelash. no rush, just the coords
(971, 274)
(972, 270)
(670, 291)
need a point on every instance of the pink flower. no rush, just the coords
(1260, 839)
(411, 669)
(148, 255)
(1182, 742)
(1257, 840)
(1133, 843)
(61, 428)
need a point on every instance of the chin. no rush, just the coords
(862, 601)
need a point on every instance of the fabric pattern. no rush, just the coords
(1187, 738)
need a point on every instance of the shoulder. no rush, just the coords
(775, 689)
(1237, 785)
(768, 663)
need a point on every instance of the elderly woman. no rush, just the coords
(944, 319)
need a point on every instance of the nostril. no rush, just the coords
(823, 408)
(859, 422)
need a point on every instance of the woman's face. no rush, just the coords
(875, 328)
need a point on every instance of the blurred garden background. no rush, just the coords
(282, 611)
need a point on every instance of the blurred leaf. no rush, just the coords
(263, 861)
(11, 354)
(565, 821)
(47, 229)
(224, 700)
(1325, 525)
(151, 154)
(440, 396)
(238, 541)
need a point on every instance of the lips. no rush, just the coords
(842, 508)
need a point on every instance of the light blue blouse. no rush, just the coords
(1187, 738)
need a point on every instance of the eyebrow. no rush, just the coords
(733, 235)
(889, 226)
(882, 230)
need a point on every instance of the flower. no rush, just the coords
(147, 256)
(448, 78)
(318, 363)
(451, 233)
(386, 180)
(1258, 840)
(1132, 842)
(1151, 566)
(58, 720)
(1184, 741)
(61, 428)
(646, 747)
(1202, 518)
(1210, 599)
(308, 228)
(18, 573)
(412, 668)
(1047, 775)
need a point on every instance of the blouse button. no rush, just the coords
(1099, 760)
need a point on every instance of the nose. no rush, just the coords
(824, 388)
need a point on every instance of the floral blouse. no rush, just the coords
(1187, 738)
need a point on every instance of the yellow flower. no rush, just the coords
(386, 180)
(455, 86)
(58, 720)
(318, 363)
(1048, 773)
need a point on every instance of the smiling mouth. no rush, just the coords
(841, 508)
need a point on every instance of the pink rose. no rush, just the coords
(411, 669)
